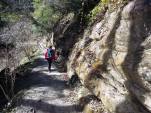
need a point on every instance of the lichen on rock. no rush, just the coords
(119, 52)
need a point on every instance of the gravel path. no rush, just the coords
(45, 92)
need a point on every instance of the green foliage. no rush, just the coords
(104, 1)
(92, 16)
(45, 14)
(38, 29)
(96, 10)
(9, 17)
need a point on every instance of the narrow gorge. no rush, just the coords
(106, 44)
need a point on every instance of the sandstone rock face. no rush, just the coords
(114, 59)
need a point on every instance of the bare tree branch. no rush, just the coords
(6, 96)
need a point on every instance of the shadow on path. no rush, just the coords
(44, 92)
(50, 108)
(60, 108)
(41, 77)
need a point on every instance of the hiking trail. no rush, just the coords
(45, 92)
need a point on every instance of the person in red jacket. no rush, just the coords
(50, 56)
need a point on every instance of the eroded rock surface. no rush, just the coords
(113, 60)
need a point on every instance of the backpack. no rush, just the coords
(48, 54)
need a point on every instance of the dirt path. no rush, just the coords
(45, 92)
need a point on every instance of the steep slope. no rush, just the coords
(112, 59)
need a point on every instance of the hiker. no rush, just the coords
(50, 56)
